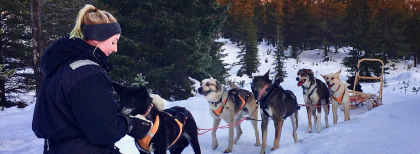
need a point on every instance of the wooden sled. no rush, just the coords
(370, 100)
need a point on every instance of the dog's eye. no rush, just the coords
(255, 79)
(207, 84)
(332, 78)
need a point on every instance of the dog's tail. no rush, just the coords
(158, 102)
(233, 85)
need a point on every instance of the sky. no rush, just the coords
(388, 129)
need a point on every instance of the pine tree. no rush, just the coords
(277, 16)
(15, 51)
(355, 10)
(259, 19)
(301, 29)
(366, 37)
(167, 41)
(230, 28)
(332, 12)
(394, 16)
(413, 32)
(4, 76)
(248, 56)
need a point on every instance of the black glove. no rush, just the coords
(140, 127)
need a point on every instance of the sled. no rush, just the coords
(370, 100)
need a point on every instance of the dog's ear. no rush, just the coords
(266, 75)
(324, 76)
(277, 82)
(338, 72)
(142, 91)
(118, 88)
(311, 75)
(210, 76)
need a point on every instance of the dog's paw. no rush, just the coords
(228, 151)
(257, 144)
(214, 146)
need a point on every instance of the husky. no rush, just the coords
(339, 94)
(315, 95)
(229, 105)
(277, 103)
(174, 128)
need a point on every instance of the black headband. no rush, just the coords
(101, 32)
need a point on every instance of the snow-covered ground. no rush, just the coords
(387, 129)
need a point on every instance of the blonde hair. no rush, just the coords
(90, 15)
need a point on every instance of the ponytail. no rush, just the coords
(90, 15)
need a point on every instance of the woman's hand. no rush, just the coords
(148, 110)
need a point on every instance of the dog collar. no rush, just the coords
(337, 88)
(215, 103)
(262, 91)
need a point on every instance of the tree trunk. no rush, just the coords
(37, 42)
(2, 88)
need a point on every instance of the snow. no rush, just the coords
(390, 128)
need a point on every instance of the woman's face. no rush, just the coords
(110, 45)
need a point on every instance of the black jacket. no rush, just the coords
(75, 110)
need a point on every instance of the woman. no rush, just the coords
(75, 110)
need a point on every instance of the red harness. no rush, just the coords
(262, 91)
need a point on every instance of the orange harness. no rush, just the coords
(219, 110)
(144, 143)
(339, 99)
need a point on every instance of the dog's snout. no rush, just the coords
(297, 78)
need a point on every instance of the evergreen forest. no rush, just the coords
(166, 42)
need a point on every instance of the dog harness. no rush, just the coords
(144, 143)
(219, 110)
(263, 104)
(310, 94)
(339, 99)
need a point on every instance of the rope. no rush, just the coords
(222, 127)
(314, 105)
(228, 125)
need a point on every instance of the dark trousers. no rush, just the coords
(76, 146)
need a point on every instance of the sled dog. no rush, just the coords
(173, 128)
(315, 95)
(277, 103)
(229, 105)
(339, 95)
